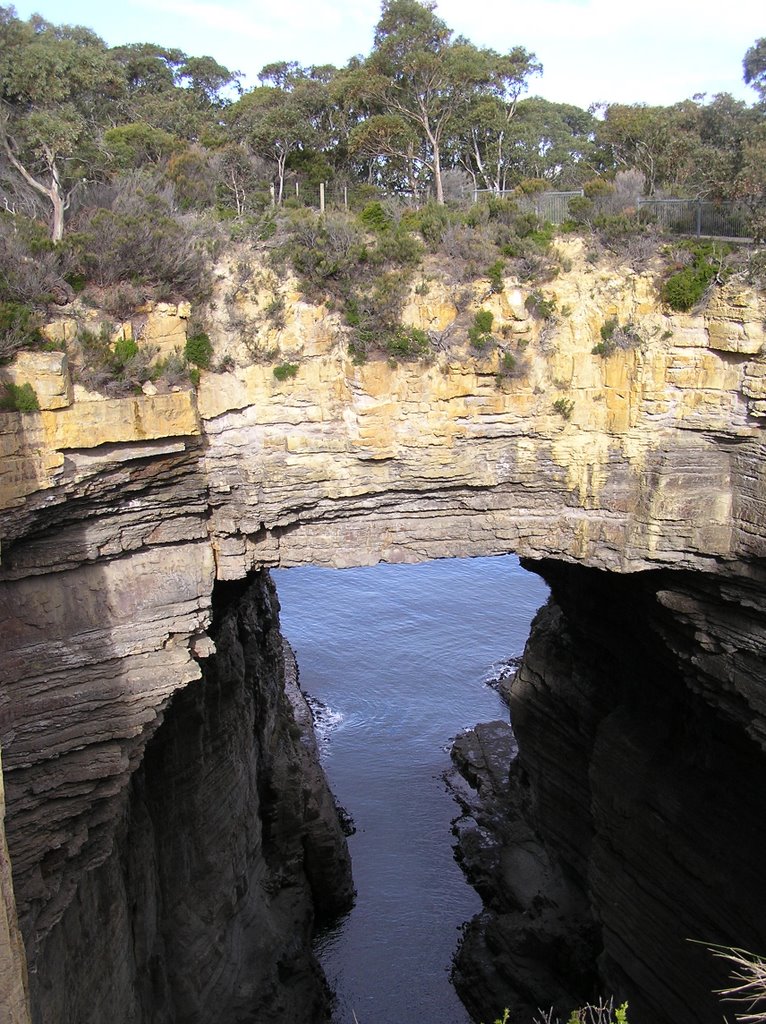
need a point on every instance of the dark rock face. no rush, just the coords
(639, 789)
(205, 910)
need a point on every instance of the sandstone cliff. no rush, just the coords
(120, 515)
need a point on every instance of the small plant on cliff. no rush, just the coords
(480, 332)
(199, 350)
(540, 306)
(496, 275)
(614, 336)
(19, 398)
(510, 367)
(19, 328)
(683, 289)
(407, 343)
(602, 1012)
(564, 407)
(285, 370)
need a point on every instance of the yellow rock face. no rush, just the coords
(47, 372)
(537, 410)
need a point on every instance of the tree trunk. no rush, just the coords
(57, 227)
(437, 165)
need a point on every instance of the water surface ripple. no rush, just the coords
(399, 657)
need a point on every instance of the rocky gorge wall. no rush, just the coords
(119, 516)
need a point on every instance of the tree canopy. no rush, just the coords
(76, 114)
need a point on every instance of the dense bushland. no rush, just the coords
(125, 171)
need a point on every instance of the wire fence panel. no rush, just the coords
(550, 206)
(697, 217)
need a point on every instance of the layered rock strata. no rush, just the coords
(635, 804)
(118, 516)
(225, 851)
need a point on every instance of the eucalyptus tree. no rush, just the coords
(661, 142)
(754, 67)
(419, 73)
(57, 85)
(277, 121)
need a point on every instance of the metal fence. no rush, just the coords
(695, 217)
(698, 217)
(550, 206)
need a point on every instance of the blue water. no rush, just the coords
(400, 656)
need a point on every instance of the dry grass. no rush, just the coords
(748, 974)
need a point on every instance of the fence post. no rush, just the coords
(321, 197)
(699, 217)
(345, 196)
(297, 191)
(272, 194)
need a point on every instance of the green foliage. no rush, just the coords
(496, 275)
(199, 350)
(432, 221)
(685, 288)
(564, 407)
(407, 343)
(139, 237)
(124, 349)
(19, 398)
(285, 371)
(581, 209)
(540, 306)
(19, 328)
(374, 216)
(510, 367)
(615, 336)
(480, 332)
(120, 367)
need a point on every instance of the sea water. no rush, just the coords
(398, 659)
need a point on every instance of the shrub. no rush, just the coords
(510, 367)
(539, 306)
(479, 334)
(407, 343)
(374, 216)
(199, 350)
(19, 398)
(432, 221)
(564, 407)
(124, 349)
(496, 275)
(114, 369)
(285, 370)
(136, 235)
(684, 289)
(19, 328)
(614, 336)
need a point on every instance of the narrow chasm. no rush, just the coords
(628, 834)
(228, 856)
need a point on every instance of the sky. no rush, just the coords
(655, 51)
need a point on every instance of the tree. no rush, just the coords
(661, 142)
(275, 123)
(55, 84)
(418, 72)
(754, 67)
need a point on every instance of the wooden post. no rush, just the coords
(321, 197)
(297, 194)
(272, 194)
(345, 196)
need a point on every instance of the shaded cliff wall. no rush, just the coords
(227, 840)
(637, 795)
(639, 690)
(14, 995)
